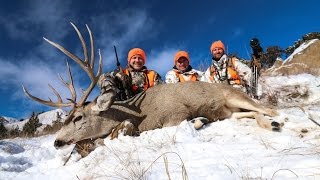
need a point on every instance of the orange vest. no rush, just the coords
(150, 76)
(234, 77)
(181, 78)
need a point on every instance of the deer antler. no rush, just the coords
(84, 64)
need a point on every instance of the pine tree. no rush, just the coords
(3, 131)
(31, 126)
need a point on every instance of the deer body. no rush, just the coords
(163, 106)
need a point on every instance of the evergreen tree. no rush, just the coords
(31, 126)
(3, 131)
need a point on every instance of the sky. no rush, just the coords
(161, 28)
(228, 149)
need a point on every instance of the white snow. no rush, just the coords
(8, 120)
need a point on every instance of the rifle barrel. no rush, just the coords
(115, 51)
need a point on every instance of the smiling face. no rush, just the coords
(217, 53)
(182, 64)
(136, 62)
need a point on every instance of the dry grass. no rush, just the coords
(184, 174)
(280, 170)
(127, 165)
(136, 170)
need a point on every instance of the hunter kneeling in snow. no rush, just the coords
(226, 69)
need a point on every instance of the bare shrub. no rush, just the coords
(14, 132)
(203, 65)
(272, 98)
(271, 55)
(51, 129)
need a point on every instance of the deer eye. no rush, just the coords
(77, 119)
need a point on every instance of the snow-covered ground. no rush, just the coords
(229, 149)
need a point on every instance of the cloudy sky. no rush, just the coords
(161, 28)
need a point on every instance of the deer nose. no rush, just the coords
(59, 143)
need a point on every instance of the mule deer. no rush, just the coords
(160, 106)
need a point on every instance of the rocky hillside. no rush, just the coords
(305, 59)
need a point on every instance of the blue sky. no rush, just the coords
(160, 27)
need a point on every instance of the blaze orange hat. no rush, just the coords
(181, 54)
(217, 44)
(137, 51)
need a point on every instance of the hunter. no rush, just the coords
(226, 69)
(135, 78)
(182, 70)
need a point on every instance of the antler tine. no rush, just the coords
(92, 47)
(89, 67)
(69, 85)
(48, 103)
(83, 43)
(73, 57)
(100, 64)
(56, 93)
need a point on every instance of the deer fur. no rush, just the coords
(163, 106)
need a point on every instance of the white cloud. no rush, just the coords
(124, 30)
(35, 76)
(47, 15)
(161, 60)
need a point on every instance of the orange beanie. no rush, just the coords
(137, 51)
(217, 44)
(181, 54)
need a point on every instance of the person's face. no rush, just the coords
(182, 64)
(136, 62)
(217, 53)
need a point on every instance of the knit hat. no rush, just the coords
(181, 54)
(137, 51)
(217, 44)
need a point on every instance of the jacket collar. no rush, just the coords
(130, 68)
(189, 68)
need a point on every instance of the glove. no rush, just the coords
(123, 78)
(106, 82)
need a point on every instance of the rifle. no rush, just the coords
(255, 66)
(117, 59)
(125, 80)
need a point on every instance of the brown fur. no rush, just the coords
(163, 106)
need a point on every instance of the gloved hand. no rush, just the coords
(123, 78)
(106, 82)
